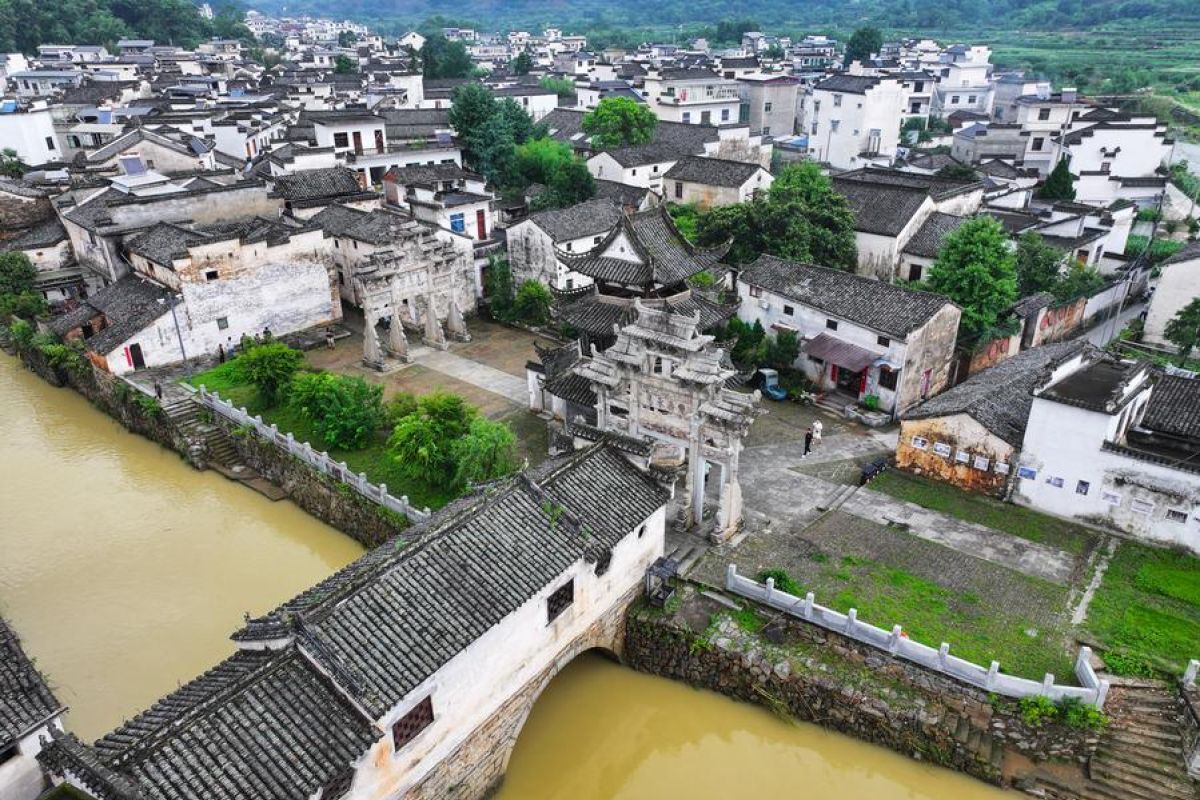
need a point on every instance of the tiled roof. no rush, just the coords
(1099, 386)
(25, 700)
(927, 241)
(999, 398)
(596, 314)
(1190, 252)
(1174, 407)
(661, 256)
(712, 171)
(164, 243)
(622, 194)
(372, 227)
(429, 174)
(589, 218)
(894, 310)
(850, 84)
(44, 234)
(315, 184)
(129, 305)
(883, 210)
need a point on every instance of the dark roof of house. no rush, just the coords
(885, 200)
(660, 255)
(894, 310)
(44, 234)
(621, 193)
(850, 84)
(25, 700)
(429, 174)
(712, 171)
(689, 74)
(1027, 306)
(129, 305)
(589, 218)
(596, 314)
(1174, 407)
(379, 226)
(164, 242)
(1099, 386)
(934, 161)
(927, 241)
(999, 398)
(1190, 252)
(316, 184)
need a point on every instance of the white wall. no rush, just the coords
(856, 116)
(31, 134)
(476, 682)
(1178, 285)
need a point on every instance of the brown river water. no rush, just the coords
(124, 571)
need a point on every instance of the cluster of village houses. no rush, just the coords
(179, 200)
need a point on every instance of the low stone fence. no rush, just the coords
(318, 460)
(1092, 690)
(1189, 696)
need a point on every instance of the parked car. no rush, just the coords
(767, 380)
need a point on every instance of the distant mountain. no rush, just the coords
(1040, 15)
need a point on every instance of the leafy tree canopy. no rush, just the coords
(977, 270)
(619, 122)
(801, 218)
(523, 63)
(1060, 183)
(532, 303)
(442, 58)
(270, 368)
(25, 24)
(18, 295)
(1183, 330)
(863, 42)
(445, 442)
(344, 65)
(344, 411)
(554, 165)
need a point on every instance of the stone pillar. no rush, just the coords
(397, 341)
(601, 407)
(455, 324)
(372, 353)
(434, 335)
(696, 464)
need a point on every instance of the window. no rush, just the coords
(953, 99)
(49, 142)
(1028, 473)
(1038, 143)
(971, 99)
(222, 323)
(756, 291)
(687, 116)
(560, 600)
(633, 172)
(962, 457)
(658, 365)
(883, 341)
(458, 223)
(1082, 487)
(1142, 507)
(833, 125)
(831, 324)
(595, 240)
(570, 246)
(837, 101)
(914, 272)
(724, 115)
(655, 168)
(341, 140)
(919, 443)
(211, 275)
(678, 189)
(766, 131)
(1174, 515)
(1043, 114)
(766, 108)
(981, 463)
(1001, 468)
(405, 729)
(1106, 166)
(887, 378)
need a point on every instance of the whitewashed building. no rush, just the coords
(855, 120)
(1178, 285)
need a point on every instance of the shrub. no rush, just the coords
(345, 412)
(269, 368)
(783, 581)
(486, 453)
(1037, 710)
(22, 334)
(532, 303)
(398, 407)
(1070, 711)
(444, 442)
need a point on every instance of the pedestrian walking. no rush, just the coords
(158, 390)
(808, 440)
(220, 354)
(329, 338)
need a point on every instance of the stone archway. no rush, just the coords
(476, 768)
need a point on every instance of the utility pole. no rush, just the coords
(179, 335)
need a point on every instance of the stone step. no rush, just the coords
(963, 729)
(1139, 758)
(1151, 746)
(1167, 731)
(1135, 780)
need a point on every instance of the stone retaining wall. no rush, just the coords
(330, 501)
(806, 673)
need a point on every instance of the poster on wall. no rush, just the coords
(1026, 472)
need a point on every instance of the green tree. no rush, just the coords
(619, 122)
(486, 453)
(269, 368)
(423, 443)
(783, 350)
(1183, 330)
(11, 165)
(1038, 265)
(441, 58)
(492, 151)
(731, 30)
(519, 123)
(862, 44)
(523, 63)
(532, 303)
(976, 269)
(500, 288)
(539, 159)
(471, 105)
(344, 411)
(962, 172)
(1060, 183)
(19, 296)
(554, 165)
(801, 218)
(347, 39)
(344, 65)
(560, 86)
(570, 185)
(1078, 281)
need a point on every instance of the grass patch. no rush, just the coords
(931, 614)
(1146, 612)
(986, 511)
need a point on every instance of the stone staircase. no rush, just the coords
(189, 418)
(836, 498)
(1140, 756)
(979, 742)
